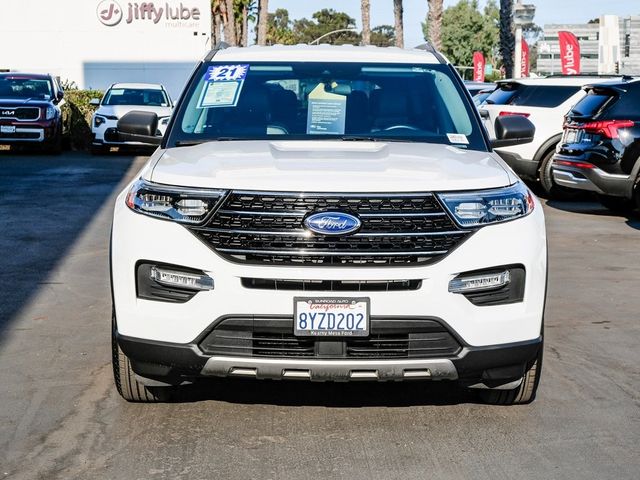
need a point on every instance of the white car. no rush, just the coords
(327, 213)
(120, 99)
(545, 102)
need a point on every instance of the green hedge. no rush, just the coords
(80, 116)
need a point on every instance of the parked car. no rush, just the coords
(327, 213)
(544, 101)
(600, 148)
(476, 87)
(481, 96)
(33, 111)
(120, 99)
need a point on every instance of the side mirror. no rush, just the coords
(139, 126)
(94, 102)
(513, 130)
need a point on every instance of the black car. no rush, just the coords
(32, 111)
(600, 146)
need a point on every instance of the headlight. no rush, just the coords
(474, 209)
(50, 113)
(184, 205)
(98, 120)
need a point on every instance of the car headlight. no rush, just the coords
(50, 113)
(474, 209)
(184, 205)
(98, 120)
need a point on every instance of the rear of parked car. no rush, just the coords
(544, 101)
(600, 148)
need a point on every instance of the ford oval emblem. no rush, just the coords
(332, 223)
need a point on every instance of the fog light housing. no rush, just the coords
(175, 278)
(476, 283)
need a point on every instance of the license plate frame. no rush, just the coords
(317, 326)
(7, 129)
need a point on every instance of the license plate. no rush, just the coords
(7, 129)
(5, 148)
(331, 317)
(571, 136)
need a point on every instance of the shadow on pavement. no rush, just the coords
(591, 207)
(329, 394)
(46, 202)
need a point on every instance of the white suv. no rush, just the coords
(545, 102)
(120, 99)
(327, 213)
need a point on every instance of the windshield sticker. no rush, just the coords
(117, 91)
(327, 112)
(458, 138)
(226, 73)
(220, 94)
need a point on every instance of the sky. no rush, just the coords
(415, 11)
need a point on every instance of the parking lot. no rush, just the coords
(61, 416)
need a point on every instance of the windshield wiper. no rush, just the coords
(188, 143)
(374, 139)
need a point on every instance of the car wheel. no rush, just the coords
(617, 204)
(636, 193)
(125, 379)
(525, 393)
(550, 187)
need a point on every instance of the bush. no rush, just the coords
(80, 116)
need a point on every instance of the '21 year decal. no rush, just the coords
(226, 73)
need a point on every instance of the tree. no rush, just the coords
(465, 29)
(279, 28)
(383, 36)
(365, 8)
(263, 20)
(434, 23)
(325, 21)
(507, 37)
(228, 22)
(399, 23)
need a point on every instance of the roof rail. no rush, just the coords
(219, 46)
(426, 46)
(602, 75)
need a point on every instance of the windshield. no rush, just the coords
(314, 100)
(15, 87)
(546, 96)
(151, 97)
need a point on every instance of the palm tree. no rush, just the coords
(229, 22)
(263, 17)
(507, 38)
(397, 13)
(365, 7)
(434, 23)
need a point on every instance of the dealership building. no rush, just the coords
(94, 43)
(609, 46)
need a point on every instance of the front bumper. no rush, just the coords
(30, 132)
(489, 366)
(593, 179)
(107, 134)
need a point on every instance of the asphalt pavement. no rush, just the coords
(61, 417)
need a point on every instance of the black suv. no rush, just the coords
(32, 111)
(600, 146)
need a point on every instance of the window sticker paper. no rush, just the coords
(326, 113)
(458, 138)
(220, 94)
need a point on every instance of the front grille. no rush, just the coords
(391, 337)
(267, 228)
(20, 113)
(331, 285)
(21, 135)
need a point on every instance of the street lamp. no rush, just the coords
(331, 33)
(522, 16)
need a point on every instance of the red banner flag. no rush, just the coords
(569, 53)
(524, 63)
(478, 67)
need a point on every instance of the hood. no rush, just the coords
(329, 166)
(24, 102)
(120, 110)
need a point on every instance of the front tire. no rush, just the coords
(523, 394)
(125, 379)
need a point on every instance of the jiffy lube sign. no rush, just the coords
(111, 13)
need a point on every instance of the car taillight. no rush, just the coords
(521, 114)
(574, 164)
(608, 128)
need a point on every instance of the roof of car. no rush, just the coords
(569, 80)
(148, 86)
(35, 76)
(325, 53)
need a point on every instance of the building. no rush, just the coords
(612, 44)
(94, 43)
